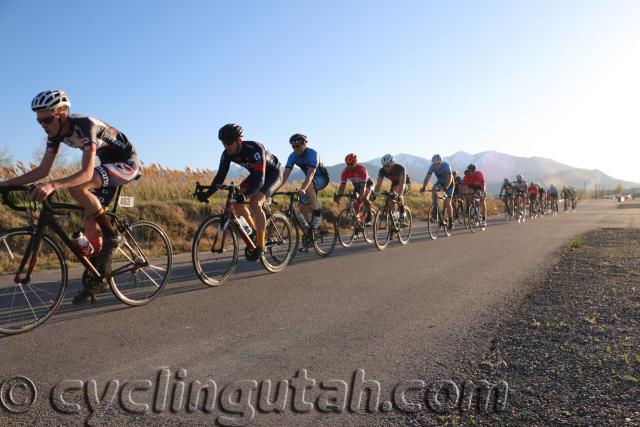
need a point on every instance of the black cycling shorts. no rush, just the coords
(112, 176)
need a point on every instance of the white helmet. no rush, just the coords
(386, 160)
(50, 100)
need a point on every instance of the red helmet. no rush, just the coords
(351, 159)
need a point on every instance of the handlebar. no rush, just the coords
(48, 202)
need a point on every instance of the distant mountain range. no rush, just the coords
(494, 165)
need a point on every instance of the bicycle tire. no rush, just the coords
(474, 218)
(381, 229)
(148, 251)
(367, 233)
(433, 224)
(404, 234)
(325, 236)
(346, 228)
(41, 300)
(279, 244)
(204, 259)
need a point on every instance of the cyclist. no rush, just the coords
(400, 183)
(475, 181)
(444, 182)
(573, 194)
(506, 195)
(93, 187)
(532, 191)
(542, 197)
(359, 176)
(265, 176)
(552, 192)
(316, 176)
(519, 191)
(456, 200)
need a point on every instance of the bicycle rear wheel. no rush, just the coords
(325, 236)
(346, 228)
(27, 304)
(382, 229)
(474, 218)
(279, 243)
(214, 252)
(368, 225)
(144, 260)
(404, 234)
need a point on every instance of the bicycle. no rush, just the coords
(519, 208)
(554, 206)
(215, 247)
(352, 221)
(473, 214)
(323, 238)
(34, 271)
(459, 211)
(435, 218)
(387, 223)
(508, 207)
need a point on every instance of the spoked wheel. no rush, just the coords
(279, 243)
(404, 232)
(433, 222)
(214, 252)
(25, 304)
(474, 218)
(382, 229)
(326, 235)
(346, 228)
(145, 260)
(367, 233)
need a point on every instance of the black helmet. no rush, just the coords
(471, 167)
(298, 138)
(230, 132)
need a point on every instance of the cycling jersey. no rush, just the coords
(309, 158)
(441, 174)
(506, 189)
(532, 190)
(257, 160)
(394, 174)
(91, 134)
(553, 191)
(474, 180)
(519, 187)
(358, 176)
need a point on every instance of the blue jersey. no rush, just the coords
(440, 174)
(309, 159)
(255, 158)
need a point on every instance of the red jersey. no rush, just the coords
(474, 180)
(357, 175)
(533, 190)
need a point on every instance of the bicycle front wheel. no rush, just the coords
(214, 252)
(279, 243)
(25, 304)
(474, 218)
(433, 222)
(141, 266)
(382, 229)
(367, 233)
(346, 228)
(404, 234)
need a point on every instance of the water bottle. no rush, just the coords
(302, 219)
(245, 225)
(396, 215)
(83, 243)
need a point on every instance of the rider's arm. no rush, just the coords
(341, 188)
(223, 169)
(82, 176)
(403, 182)
(378, 184)
(311, 171)
(36, 174)
(426, 180)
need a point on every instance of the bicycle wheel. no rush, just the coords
(346, 228)
(474, 218)
(142, 265)
(433, 222)
(404, 234)
(368, 226)
(382, 229)
(214, 252)
(279, 243)
(326, 235)
(25, 305)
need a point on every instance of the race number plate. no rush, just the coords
(125, 202)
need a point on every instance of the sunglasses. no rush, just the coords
(46, 120)
(227, 143)
(297, 144)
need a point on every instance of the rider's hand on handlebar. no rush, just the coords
(336, 198)
(41, 191)
(373, 196)
(423, 189)
(202, 196)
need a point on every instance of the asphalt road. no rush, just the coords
(401, 314)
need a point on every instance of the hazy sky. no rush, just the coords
(557, 79)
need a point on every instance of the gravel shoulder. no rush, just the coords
(570, 351)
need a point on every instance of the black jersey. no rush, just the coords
(252, 156)
(394, 174)
(91, 134)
